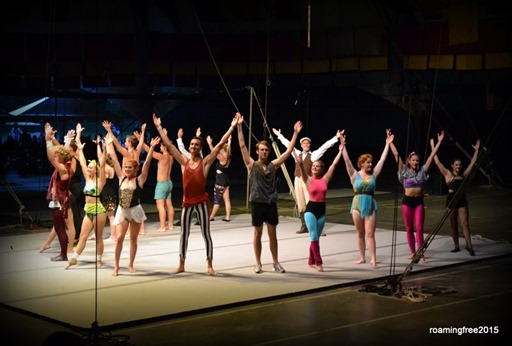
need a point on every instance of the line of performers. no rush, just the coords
(121, 204)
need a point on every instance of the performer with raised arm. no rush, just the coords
(459, 210)
(314, 215)
(263, 195)
(413, 177)
(95, 213)
(308, 156)
(59, 193)
(164, 185)
(364, 205)
(195, 198)
(129, 214)
(221, 188)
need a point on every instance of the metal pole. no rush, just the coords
(249, 145)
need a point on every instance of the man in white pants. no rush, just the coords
(308, 157)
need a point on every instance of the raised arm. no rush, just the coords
(51, 142)
(281, 159)
(378, 167)
(208, 159)
(103, 162)
(284, 141)
(145, 166)
(444, 171)
(80, 146)
(140, 145)
(348, 164)
(107, 125)
(69, 137)
(397, 157)
(209, 140)
(181, 146)
(110, 150)
(303, 173)
(318, 153)
(145, 146)
(473, 159)
(330, 172)
(433, 153)
(246, 156)
(167, 142)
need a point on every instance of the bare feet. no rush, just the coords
(178, 270)
(43, 248)
(116, 271)
(424, 259)
(131, 269)
(99, 264)
(411, 256)
(361, 261)
(170, 228)
(161, 230)
(71, 262)
(211, 272)
(374, 264)
(320, 268)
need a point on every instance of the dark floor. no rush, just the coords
(466, 303)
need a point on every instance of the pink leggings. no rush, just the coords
(414, 217)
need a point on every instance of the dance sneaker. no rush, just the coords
(258, 269)
(278, 268)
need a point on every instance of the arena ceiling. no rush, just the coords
(121, 57)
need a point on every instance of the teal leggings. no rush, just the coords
(315, 226)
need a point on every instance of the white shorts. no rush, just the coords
(135, 213)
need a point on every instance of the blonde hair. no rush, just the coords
(62, 152)
(227, 148)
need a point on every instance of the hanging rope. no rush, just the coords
(213, 60)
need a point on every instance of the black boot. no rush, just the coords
(303, 228)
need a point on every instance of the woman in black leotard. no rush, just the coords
(458, 209)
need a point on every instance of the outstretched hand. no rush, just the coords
(154, 141)
(440, 136)
(432, 143)
(476, 146)
(107, 125)
(343, 138)
(49, 133)
(156, 121)
(235, 119)
(277, 132)
(97, 140)
(389, 136)
(298, 126)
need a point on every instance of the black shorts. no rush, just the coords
(412, 202)
(264, 212)
(317, 208)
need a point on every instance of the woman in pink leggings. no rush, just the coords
(413, 178)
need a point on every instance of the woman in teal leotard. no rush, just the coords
(364, 206)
